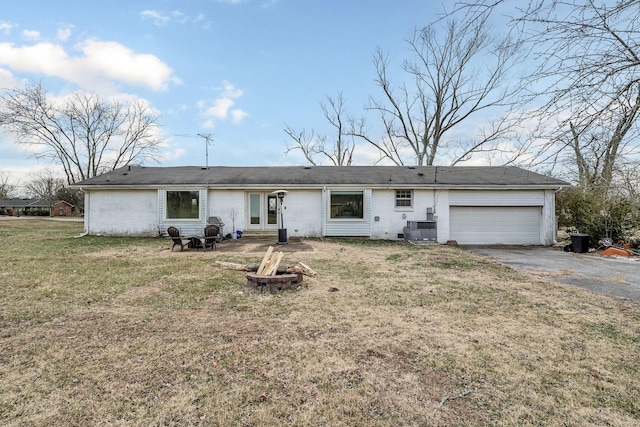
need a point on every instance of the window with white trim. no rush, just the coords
(183, 204)
(347, 204)
(404, 198)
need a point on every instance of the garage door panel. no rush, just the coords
(495, 225)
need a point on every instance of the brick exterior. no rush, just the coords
(62, 209)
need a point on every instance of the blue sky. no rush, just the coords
(236, 69)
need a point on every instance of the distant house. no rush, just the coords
(18, 207)
(471, 205)
(62, 208)
(39, 207)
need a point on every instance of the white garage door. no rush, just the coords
(481, 225)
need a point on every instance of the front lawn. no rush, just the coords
(121, 331)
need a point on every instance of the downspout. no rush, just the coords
(207, 212)
(86, 217)
(323, 212)
(555, 222)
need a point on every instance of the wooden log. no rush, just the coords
(300, 268)
(267, 267)
(303, 268)
(237, 267)
(272, 267)
(265, 260)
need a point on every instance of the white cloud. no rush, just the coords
(162, 19)
(7, 80)
(101, 64)
(208, 124)
(5, 27)
(201, 22)
(21, 175)
(231, 91)
(177, 108)
(31, 34)
(366, 154)
(156, 17)
(220, 108)
(41, 57)
(64, 32)
(118, 62)
(238, 115)
(174, 154)
(179, 16)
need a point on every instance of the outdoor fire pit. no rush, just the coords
(277, 282)
(270, 275)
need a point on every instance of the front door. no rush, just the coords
(263, 211)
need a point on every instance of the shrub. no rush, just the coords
(598, 214)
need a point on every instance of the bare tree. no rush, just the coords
(85, 134)
(45, 186)
(590, 73)
(584, 80)
(72, 196)
(7, 189)
(340, 150)
(453, 77)
(627, 181)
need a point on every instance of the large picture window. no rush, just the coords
(183, 205)
(347, 204)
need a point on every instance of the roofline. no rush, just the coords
(222, 177)
(323, 186)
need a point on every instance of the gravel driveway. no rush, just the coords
(613, 276)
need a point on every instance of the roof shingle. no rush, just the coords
(301, 176)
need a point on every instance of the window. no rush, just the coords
(183, 205)
(272, 209)
(404, 198)
(347, 204)
(255, 207)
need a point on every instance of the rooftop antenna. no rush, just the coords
(208, 138)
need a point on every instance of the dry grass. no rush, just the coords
(117, 331)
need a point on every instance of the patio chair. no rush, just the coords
(211, 235)
(174, 233)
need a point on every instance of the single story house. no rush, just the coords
(17, 207)
(62, 208)
(469, 205)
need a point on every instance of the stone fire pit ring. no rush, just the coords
(277, 282)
